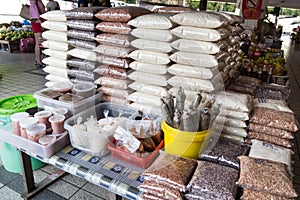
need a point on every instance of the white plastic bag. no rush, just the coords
(150, 57)
(55, 62)
(146, 78)
(145, 98)
(55, 36)
(149, 89)
(151, 45)
(192, 71)
(202, 34)
(55, 45)
(152, 21)
(148, 68)
(196, 46)
(56, 54)
(55, 15)
(83, 54)
(55, 26)
(153, 34)
(194, 59)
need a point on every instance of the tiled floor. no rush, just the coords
(19, 76)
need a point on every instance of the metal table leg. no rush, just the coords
(28, 179)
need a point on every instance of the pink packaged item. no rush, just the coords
(35, 131)
(24, 123)
(26, 45)
(15, 118)
(43, 117)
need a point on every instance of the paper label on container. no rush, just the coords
(128, 140)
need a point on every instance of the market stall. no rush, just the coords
(153, 141)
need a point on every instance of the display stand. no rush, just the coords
(11, 45)
(118, 177)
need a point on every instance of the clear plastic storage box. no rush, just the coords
(73, 108)
(96, 143)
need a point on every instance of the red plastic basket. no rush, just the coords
(133, 159)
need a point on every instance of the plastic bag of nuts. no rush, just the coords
(161, 191)
(274, 118)
(209, 181)
(269, 138)
(253, 195)
(171, 171)
(265, 176)
(270, 131)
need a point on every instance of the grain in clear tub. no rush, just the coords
(47, 139)
(57, 124)
(24, 123)
(43, 117)
(35, 131)
(15, 118)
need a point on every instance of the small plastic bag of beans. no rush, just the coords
(225, 152)
(274, 118)
(210, 182)
(265, 176)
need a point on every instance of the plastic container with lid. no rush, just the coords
(35, 131)
(84, 89)
(47, 139)
(62, 86)
(57, 124)
(60, 111)
(15, 118)
(43, 117)
(24, 123)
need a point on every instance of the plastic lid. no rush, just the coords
(61, 86)
(18, 116)
(47, 139)
(35, 129)
(83, 87)
(28, 121)
(60, 111)
(15, 104)
(57, 118)
(43, 114)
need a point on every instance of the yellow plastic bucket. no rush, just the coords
(182, 143)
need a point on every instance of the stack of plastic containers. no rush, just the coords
(113, 50)
(81, 35)
(57, 46)
(153, 46)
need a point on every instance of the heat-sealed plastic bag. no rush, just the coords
(121, 14)
(114, 61)
(113, 99)
(149, 89)
(114, 27)
(279, 105)
(160, 191)
(114, 39)
(55, 26)
(249, 194)
(83, 12)
(91, 45)
(225, 152)
(111, 50)
(192, 71)
(85, 25)
(114, 92)
(148, 99)
(151, 79)
(195, 59)
(56, 54)
(112, 82)
(270, 131)
(82, 64)
(231, 122)
(82, 35)
(198, 46)
(55, 15)
(83, 54)
(150, 57)
(148, 68)
(111, 71)
(266, 176)
(152, 45)
(202, 34)
(274, 118)
(172, 9)
(265, 150)
(200, 19)
(152, 21)
(234, 114)
(209, 181)
(269, 138)
(153, 34)
(170, 170)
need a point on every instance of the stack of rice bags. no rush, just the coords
(81, 35)
(235, 109)
(230, 71)
(153, 45)
(113, 50)
(200, 53)
(57, 46)
(167, 177)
